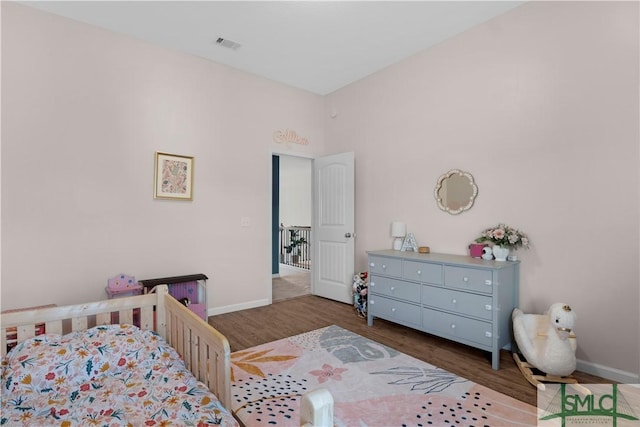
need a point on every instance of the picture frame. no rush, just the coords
(173, 176)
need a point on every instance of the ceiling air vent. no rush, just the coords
(230, 44)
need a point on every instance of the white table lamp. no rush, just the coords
(398, 230)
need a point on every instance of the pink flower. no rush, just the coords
(85, 387)
(328, 372)
(498, 233)
(50, 376)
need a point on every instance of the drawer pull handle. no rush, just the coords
(454, 301)
(373, 264)
(384, 266)
(393, 310)
(487, 282)
(465, 279)
(487, 307)
(372, 302)
(453, 326)
(419, 272)
(488, 334)
(393, 288)
(373, 284)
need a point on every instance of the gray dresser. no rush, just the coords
(456, 297)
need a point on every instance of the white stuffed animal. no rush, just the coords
(546, 341)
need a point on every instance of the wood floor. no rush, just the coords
(290, 286)
(248, 328)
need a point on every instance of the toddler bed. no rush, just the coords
(170, 368)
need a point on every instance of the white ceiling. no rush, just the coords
(319, 46)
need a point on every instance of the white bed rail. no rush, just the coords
(316, 409)
(23, 325)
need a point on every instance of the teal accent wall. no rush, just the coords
(275, 214)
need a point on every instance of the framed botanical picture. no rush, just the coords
(173, 177)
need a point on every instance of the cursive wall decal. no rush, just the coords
(288, 137)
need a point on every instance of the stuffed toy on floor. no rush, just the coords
(546, 340)
(360, 290)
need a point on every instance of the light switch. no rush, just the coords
(245, 221)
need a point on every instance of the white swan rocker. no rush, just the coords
(548, 344)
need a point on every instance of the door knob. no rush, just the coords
(347, 235)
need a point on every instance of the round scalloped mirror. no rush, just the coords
(455, 191)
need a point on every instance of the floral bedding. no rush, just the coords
(114, 375)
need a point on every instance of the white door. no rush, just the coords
(333, 227)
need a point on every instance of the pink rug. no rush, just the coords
(372, 385)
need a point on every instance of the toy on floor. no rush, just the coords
(547, 343)
(360, 293)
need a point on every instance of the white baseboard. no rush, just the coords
(293, 269)
(607, 372)
(237, 307)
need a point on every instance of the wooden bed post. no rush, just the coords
(162, 291)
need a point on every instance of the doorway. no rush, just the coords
(291, 226)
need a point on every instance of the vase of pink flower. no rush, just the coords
(500, 253)
(504, 239)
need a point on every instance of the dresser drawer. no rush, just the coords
(386, 266)
(395, 311)
(472, 279)
(458, 302)
(456, 327)
(395, 288)
(423, 272)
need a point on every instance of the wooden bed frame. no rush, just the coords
(205, 351)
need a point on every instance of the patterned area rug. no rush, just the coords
(372, 385)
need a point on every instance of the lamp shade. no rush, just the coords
(398, 229)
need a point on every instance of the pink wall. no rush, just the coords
(83, 111)
(541, 106)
